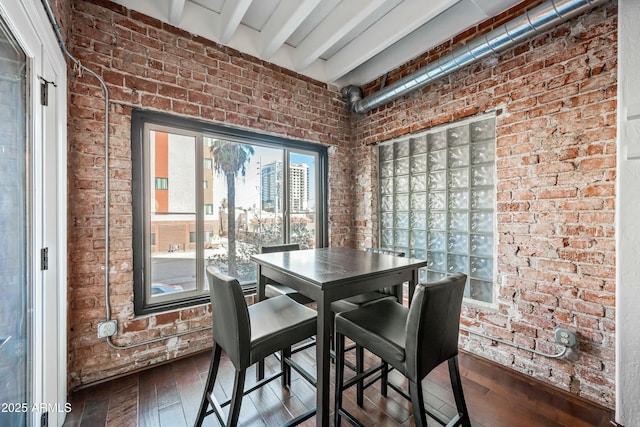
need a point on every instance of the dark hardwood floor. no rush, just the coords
(169, 396)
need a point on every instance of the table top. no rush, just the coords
(327, 266)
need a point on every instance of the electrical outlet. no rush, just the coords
(107, 329)
(566, 337)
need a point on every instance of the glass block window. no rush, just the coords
(437, 201)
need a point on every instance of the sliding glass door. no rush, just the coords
(15, 327)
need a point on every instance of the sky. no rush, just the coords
(248, 187)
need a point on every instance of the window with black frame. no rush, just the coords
(258, 190)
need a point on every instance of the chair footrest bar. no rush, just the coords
(400, 391)
(350, 365)
(300, 418)
(217, 408)
(254, 388)
(356, 378)
(371, 381)
(304, 346)
(300, 370)
(344, 413)
(455, 421)
(332, 355)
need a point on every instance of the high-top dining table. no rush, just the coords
(326, 275)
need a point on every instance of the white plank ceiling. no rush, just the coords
(339, 42)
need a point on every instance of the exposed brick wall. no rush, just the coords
(555, 98)
(150, 65)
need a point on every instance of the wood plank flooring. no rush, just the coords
(169, 396)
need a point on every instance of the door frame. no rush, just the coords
(29, 24)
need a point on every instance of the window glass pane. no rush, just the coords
(303, 230)
(402, 184)
(485, 129)
(302, 178)
(458, 135)
(418, 220)
(482, 268)
(482, 175)
(481, 290)
(437, 180)
(418, 145)
(173, 266)
(459, 178)
(437, 196)
(437, 261)
(386, 152)
(386, 169)
(482, 152)
(437, 140)
(402, 219)
(247, 194)
(172, 158)
(386, 203)
(418, 163)
(386, 185)
(482, 199)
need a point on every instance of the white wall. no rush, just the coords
(628, 211)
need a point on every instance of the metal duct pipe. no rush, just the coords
(540, 19)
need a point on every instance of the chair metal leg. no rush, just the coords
(359, 369)
(339, 339)
(332, 333)
(456, 385)
(417, 401)
(236, 398)
(208, 388)
(384, 376)
(286, 368)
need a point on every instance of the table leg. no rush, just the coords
(261, 281)
(323, 362)
(412, 283)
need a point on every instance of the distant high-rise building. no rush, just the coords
(271, 187)
(299, 178)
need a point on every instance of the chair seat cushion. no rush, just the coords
(272, 290)
(379, 327)
(278, 322)
(358, 301)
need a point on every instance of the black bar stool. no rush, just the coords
(413, 340)
(274, 289)
(393, 293)
(249, 334)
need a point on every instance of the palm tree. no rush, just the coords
(229, 158)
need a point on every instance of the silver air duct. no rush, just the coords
(540, 19)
